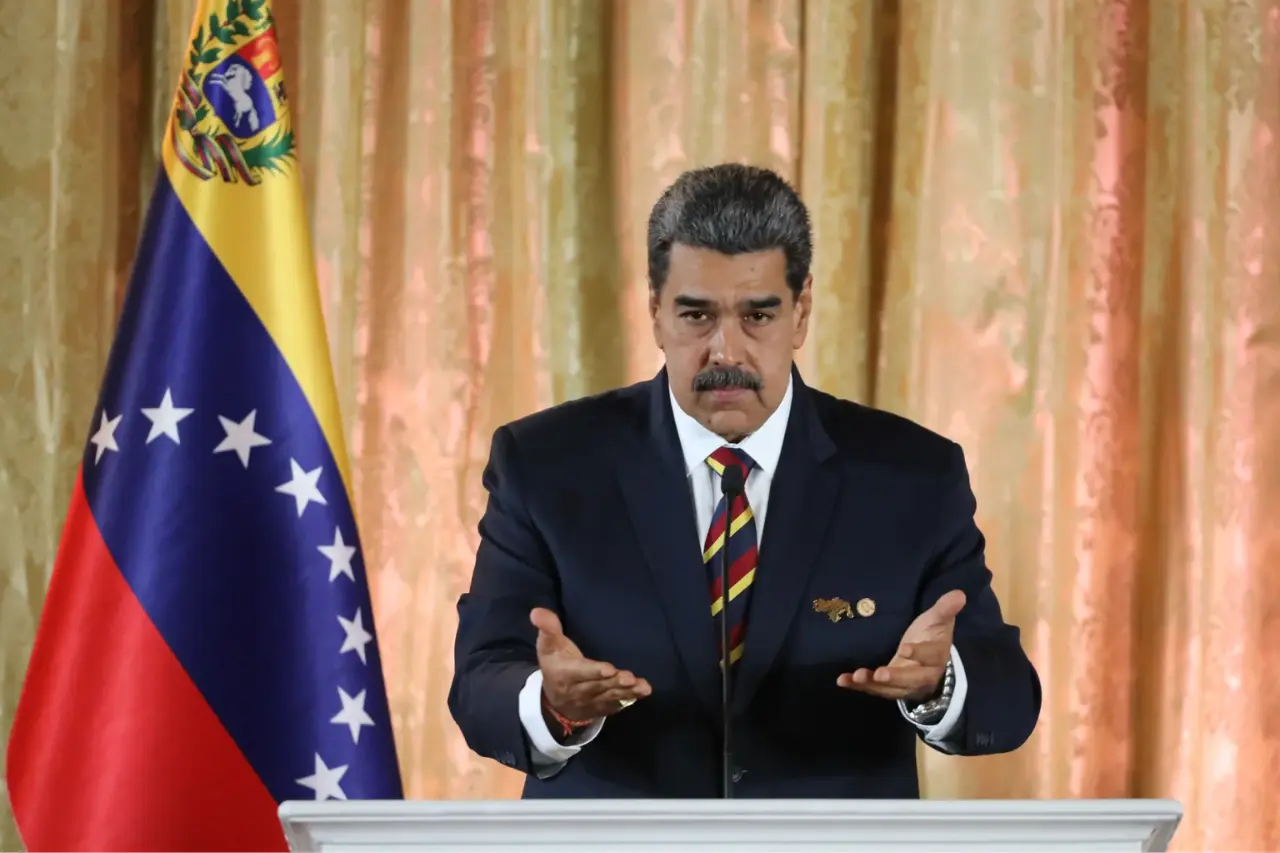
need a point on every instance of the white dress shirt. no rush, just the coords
(764, 446)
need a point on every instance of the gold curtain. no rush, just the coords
(1045, 228)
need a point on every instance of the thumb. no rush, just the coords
(549, 628)
(948, 607)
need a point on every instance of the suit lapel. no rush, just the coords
(802, 500)
(656, 492)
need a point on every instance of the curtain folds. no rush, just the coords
(1044, 228)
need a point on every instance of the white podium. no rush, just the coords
(732, 826)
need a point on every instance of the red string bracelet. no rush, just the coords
(567, 724)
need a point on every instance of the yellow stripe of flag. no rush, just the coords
(255, 221)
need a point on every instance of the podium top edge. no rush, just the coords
(598, 808)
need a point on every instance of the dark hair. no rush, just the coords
(731, 209)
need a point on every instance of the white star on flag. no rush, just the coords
(325, 781)
(240, 437)
(339, 554)
(105, 438)
(303, 487)
(165, 419)
(357, 637)
(353, 714)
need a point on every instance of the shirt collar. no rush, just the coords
(764, 446)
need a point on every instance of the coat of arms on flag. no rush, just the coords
(231, 114)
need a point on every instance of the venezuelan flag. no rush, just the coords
(207, 649)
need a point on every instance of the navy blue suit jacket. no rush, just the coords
(590, 515)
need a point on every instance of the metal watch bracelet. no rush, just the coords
(929, 712)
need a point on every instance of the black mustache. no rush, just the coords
(716, 378)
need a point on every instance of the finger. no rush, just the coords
(602, 698)
(611, 700)
(891, 681)
(910, 678)
(926, 653)
(568, 673)
(870, 688)
(590, 690)
(881, 691)
(862, 681)
(857, 678)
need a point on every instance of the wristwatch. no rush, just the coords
(930, 711)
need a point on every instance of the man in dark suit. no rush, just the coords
(862, 616)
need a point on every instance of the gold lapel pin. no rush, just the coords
(835, 608)
(866, 607)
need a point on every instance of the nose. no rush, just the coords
(728, 343)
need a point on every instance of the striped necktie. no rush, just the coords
(741, 553)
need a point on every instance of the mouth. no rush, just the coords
(728, 395)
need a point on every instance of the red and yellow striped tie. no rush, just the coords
(741, 553)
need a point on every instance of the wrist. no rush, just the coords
(561, 726)
(930, 709)
(935, 693)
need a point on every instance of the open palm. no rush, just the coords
(918, 666)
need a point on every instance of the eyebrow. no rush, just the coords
(751, 304)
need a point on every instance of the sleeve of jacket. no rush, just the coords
(494, 649)
(1002, 701)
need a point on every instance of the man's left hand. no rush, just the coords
(916, 670)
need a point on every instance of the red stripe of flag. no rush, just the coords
(113, 747)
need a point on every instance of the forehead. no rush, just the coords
(714, 275)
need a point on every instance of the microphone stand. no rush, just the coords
(731, 486)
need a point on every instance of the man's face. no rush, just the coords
(728, 325)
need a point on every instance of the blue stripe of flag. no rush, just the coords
(220, 560)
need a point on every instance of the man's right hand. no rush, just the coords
(576, 687)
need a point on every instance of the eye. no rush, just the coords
(694, 316)
(759, 317)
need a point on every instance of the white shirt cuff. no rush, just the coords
(549, 755)
(938, 733)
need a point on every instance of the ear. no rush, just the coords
(655, 301)
(803, 307)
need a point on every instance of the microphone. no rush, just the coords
(731, 486)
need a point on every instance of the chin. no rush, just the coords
(728, 422)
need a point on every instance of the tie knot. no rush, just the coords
(726, 456)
